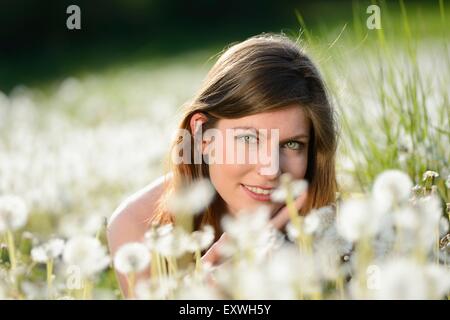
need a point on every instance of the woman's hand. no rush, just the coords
(213, 255)
(281, 218)
(279, 221)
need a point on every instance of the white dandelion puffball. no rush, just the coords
(173, 242)
(297, 188)
(430, 175)
(201, 239)
(193, 199)
(87, 253)
(50, 250)
(132, 258)
(401, 280)
(248, 229)
(13, 213)
(406, 279)
(391, 186)
(39, 255)
(357, 219)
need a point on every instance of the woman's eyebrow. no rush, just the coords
(296, 137)
(244, 127)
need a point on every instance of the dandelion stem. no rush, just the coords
(364, 257)
(293, 213)
(49, 278)
(172, 265)
(87, 289)
(164, 266)
(198, 264)
(437, 246)
(131, 284)
(155, 265)
(12, 250)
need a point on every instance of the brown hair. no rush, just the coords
(260, 74)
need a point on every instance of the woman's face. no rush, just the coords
(244, 185)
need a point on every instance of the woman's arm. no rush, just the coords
(129, 222)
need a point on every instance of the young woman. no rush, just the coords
(264, 88)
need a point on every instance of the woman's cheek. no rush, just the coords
(296, 165)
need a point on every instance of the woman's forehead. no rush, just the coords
(291, 120)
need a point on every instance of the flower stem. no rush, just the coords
(198, 264)
(49, 278)
(173, 265)
(340, 286)
(87, 289)
(364, 256)
(131, 284)
(154, 265)
(12, 250)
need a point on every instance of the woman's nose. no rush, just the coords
(271, 171)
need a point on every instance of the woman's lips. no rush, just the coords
(257, 196)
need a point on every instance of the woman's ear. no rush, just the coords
(197, 120)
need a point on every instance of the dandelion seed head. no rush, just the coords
(430, 209)
(438, 281)
(87, 253)
(319, 219)
(430, 175)
(131, 258)
(356, 219)
(292, 231)
(391, 186)
(254, 284)
(151, 238)
(13, 213)
(201, 239)
(39, 255)
(173, 243)
(406, 218)
(430, 212)
(248, 229)
(165, 230)
(311, 223)
(405, 279)
(283, 266)
(297, 188)
(193, 199)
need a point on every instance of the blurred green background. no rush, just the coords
(36, 46)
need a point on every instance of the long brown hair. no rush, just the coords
(263, 73)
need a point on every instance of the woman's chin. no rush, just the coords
(256, 207)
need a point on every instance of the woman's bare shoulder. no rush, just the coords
(129, 221)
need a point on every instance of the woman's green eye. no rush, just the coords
(248, 138)
(294, 145)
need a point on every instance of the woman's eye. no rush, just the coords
(248, 138)
(294, 145)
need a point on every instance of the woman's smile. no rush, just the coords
(257, 192)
